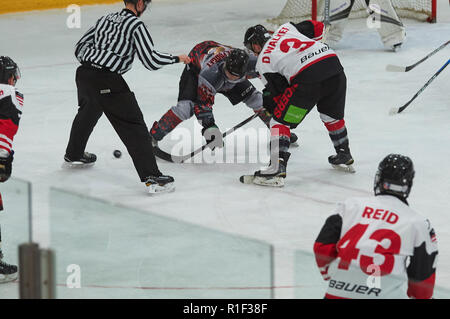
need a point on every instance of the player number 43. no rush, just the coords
(348, 251)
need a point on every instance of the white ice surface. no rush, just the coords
(210, 194)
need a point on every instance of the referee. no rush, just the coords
(106, 52)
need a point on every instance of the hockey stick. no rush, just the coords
(326, 17)
(400, 109)
(326, 13)
(398, 68)
(180, 159)
(326, 21)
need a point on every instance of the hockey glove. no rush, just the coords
(324, 273)
(265, 116)
(268, 101)
(6, 167)
(213, 137)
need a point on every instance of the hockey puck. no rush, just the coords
(117, 154)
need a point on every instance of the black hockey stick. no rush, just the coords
(180, 159)
(398, 68)
(400, 109)
(326, 14)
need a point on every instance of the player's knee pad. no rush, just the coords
(278, 129)
(184, 109)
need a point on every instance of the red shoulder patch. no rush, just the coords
(19, 98)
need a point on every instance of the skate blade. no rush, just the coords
(344, 168)
(76, 165)
(8, 278)
(258, 180)
(272, 182)
(157, 189)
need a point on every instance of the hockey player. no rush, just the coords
(385, 20)
(214, 68)
(11, 103)
(381, 237)
(299, 72)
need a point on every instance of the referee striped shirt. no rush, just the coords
(115, 39)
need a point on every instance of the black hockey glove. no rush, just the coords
(6, 167)
(213, 136)
(265, 116)
(268, 101)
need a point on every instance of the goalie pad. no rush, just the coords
(339, 12)
(387, 23)
(383, 17)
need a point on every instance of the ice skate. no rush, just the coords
(159, 184)
(342, 161)
(8, 272)
(272, 176)
(87, 160)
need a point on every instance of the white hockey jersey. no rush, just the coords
(11, 103)
(289, 53)
(377, 247)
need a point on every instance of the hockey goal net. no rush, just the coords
(299, 10)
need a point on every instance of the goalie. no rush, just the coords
(383, 18)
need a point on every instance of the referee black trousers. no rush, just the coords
(106, 92)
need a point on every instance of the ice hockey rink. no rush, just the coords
(213, 237)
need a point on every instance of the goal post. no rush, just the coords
(299, 10)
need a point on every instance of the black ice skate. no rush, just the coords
(343, 161)
(159, 184)
(7, 272)
(273, 176)
(87, 160)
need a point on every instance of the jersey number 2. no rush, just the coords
(348, 251)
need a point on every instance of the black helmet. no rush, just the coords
(135, 2)
(8, 68)
(257, 34)
(394, 176)
(237, 62)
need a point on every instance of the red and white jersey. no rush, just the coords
(377, 247)
(11, 103)
(289, 53)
